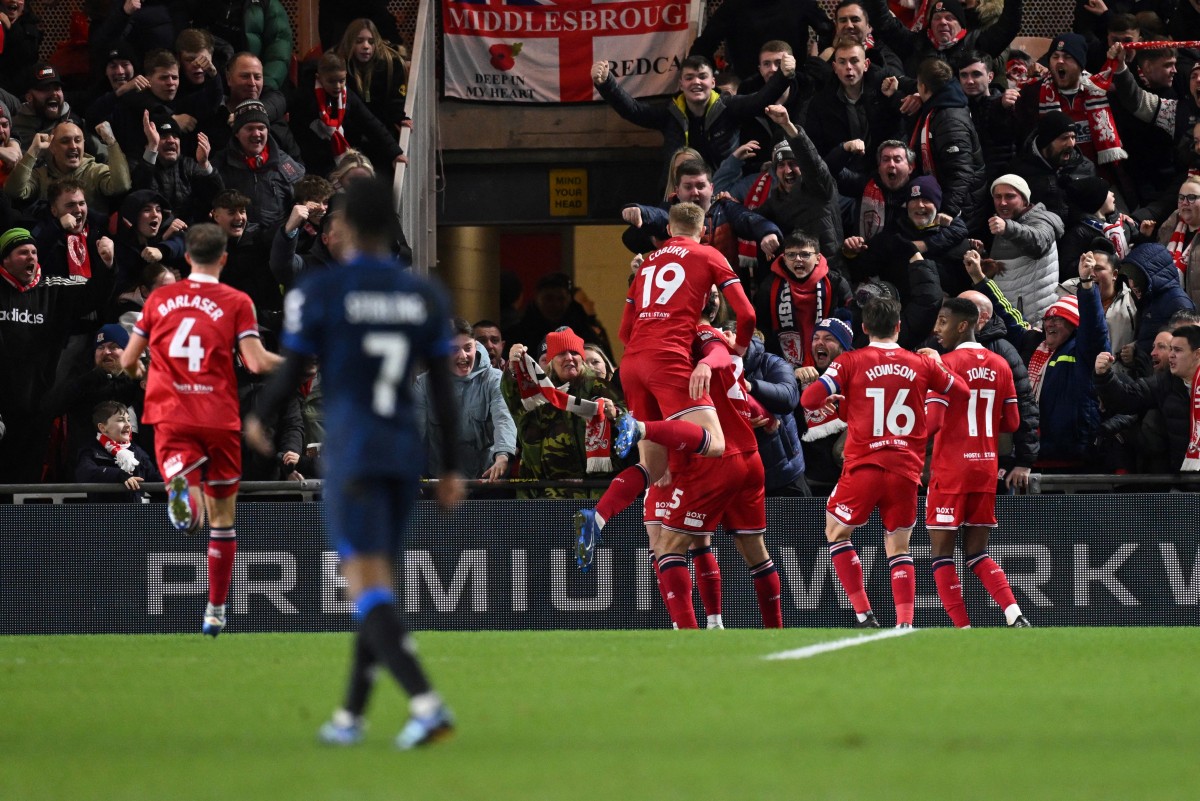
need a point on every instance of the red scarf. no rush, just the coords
(1037, 368)
(1180, 245)
(17, 285)
(1191, 460)
(119, 451)
(326, 110)
(941, 48)
(755, 197)
(873, 211)
(79, 260)
(536, 389)
(922, 142)
(796, 306)
(1104, 139)
(258, 162)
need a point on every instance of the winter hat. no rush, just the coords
(166, 126)
(782, 152)
(563, 340)
(1066, 307)
(1016, 182)
(1072, 44)
(113, 332)
(14, 238)
(926, 187)
(249, 111)
(1051, 126)
(119, 51)
(952, 6)
(840, 331)
(1088, 193)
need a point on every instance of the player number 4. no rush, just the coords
(186, 345)
(393, 349)
(900, 417)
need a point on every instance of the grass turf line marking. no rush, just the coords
(837, 645)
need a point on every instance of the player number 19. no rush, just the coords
(393, 349)
(667, 277)
(900, 418)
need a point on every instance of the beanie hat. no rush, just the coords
(119, 51)
(926, 187)
(249, 111)
(14, 238)
(952, 6)
(563, 340)
(1066, 307)
(782, 152)
(113, 332)
(1016, 182)
(1088, 193)
(1051, 126)
(1072, 44)
(840, 331)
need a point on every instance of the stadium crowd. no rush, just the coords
(838, 158)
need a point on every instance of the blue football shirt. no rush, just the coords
(371, 324)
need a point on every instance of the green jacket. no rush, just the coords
(29, 183)
(269, 36)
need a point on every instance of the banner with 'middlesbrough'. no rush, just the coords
(1071, 560)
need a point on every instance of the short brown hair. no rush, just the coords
(880, 317)
(193, 40)
(232, 200)
(157, 60)
(934, 74)
(330, 62)
(106, 409)
(61, 187)
(206, 243)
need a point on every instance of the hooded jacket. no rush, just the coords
(1163, 295)
(128, 251)
(957, 154)
(773, 384)
(486, 427)
(1029, 255)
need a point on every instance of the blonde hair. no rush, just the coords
(350, 160)
(686, 219)
(672, 178)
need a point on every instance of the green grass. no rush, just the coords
(942, 714)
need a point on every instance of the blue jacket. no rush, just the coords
(1070, 411)
(773, 384)
(1164, 294)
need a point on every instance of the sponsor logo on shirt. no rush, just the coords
(15, 315)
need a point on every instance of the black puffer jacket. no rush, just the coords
(957, 154)
(1162, 391)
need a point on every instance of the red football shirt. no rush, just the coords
(667, 296)
(730, 396)
(964, 449)
(193, 327)
(885, 386)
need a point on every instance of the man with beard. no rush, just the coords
(824, 434)
(45, 107)
(67, 159)
(1049, 160)
(946, 34)
(801, 292)
(488, 334)
(187, 184)
(255, 165)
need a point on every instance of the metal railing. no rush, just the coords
(415, 187)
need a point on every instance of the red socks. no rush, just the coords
(993, 579)
(904, 586)
(623, 491)
(676, 584)
(766, 587)
(949, 588)
(849, 572)
(222, 545)
(708, 578)
(677, 435)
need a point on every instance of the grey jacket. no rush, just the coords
(486, 427)
(1030, 256)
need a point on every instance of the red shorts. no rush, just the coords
(729, 490)
(863, 489)
(178, 447)
(655, 506)
(658, 390)
(953, 509)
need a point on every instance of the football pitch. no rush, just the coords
(979, 714)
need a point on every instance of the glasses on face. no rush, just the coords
(798, 256)
(1188, 199)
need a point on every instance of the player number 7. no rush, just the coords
(393, 349)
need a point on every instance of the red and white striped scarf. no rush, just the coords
(1096, 112)
(536, 388)
(922, 142)
(757, 195)
(796, 306)
(1180, 244)
(962, 34)
(823, 422)
(1037, 368)
(1113, 232)
(872, 212)
(17, 285)
(1191, 460)
(79, 260)
(119, 451)
(337, 136)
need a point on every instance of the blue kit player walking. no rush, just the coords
(370, 324)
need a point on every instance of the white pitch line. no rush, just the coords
(837, 645)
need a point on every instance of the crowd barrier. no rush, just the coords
(1115, 559)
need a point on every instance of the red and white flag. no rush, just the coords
(541, 51)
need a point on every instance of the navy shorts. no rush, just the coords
(370, 515)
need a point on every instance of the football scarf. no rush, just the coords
(536, 389)
(1037, 368)
(1180, 244)
(824, 422)
(873, 210)
(331, 118)
(1191, 460)
(17, 285)
(941, 48)
(922, 142)
(1113, 232)
(1096, 112)
(119, 451)
(755, 197)
(79, 261)
(796, 306)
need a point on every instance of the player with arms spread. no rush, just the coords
(962, 486)
(880, 391)
(192, 328)
(370, 324)
(658, 326)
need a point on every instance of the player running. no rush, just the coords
(962, 486)
(370, 324)
(192, 329)
(880, 392)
